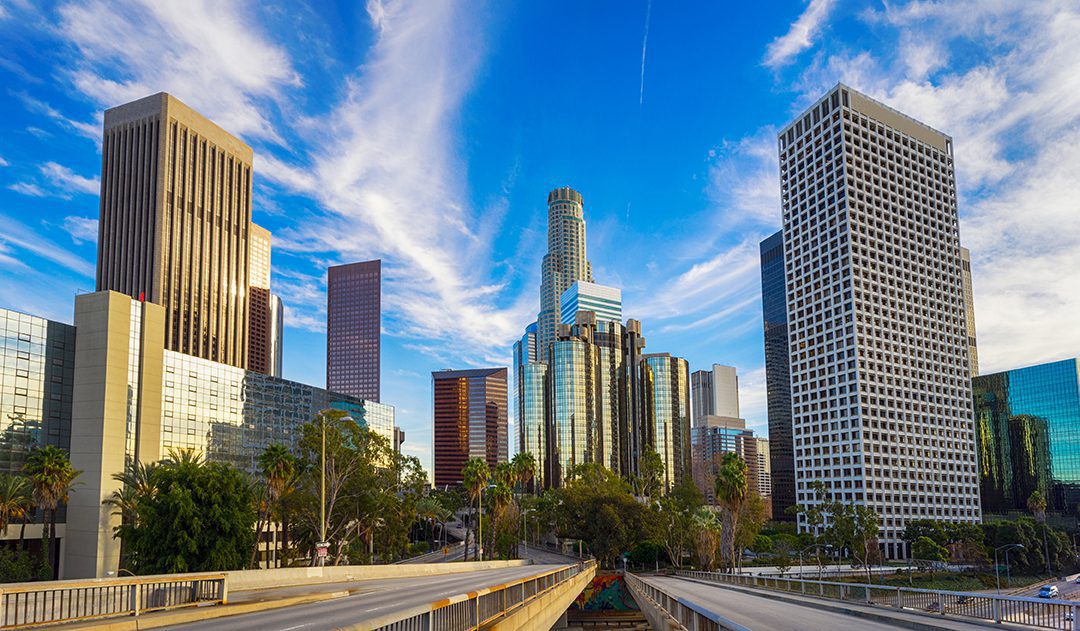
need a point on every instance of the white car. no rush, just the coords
(1048, 591)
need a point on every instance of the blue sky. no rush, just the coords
(428, 134)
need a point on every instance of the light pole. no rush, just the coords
(322, 498)
(525, 528)
(480, 525)
(997, 568)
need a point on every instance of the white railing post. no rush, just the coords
(899, 598)
(1075, 618)
(941, 602)
(997, 609)
(224, 590)
(136, 588)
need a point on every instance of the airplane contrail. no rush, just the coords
(644, 45)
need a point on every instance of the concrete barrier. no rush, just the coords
(540, 614)
(243, 580)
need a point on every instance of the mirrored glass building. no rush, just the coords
(1028, 429)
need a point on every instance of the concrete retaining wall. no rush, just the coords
(283, 577)
(542, 613)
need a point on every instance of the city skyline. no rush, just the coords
(473, 243)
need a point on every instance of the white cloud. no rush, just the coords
(783, 50)
(3, 162)
(211, 55)
(81, 229)
(89, 130)
(28, 188)
(66, 180)
(18, 237)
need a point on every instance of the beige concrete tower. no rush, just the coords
(564, 263)
(175, 218)
(969, 311)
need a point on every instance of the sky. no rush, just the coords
(428, 134)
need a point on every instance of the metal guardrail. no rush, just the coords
(1035, 612)
(475, 609)
(25, 604)
(686, 614)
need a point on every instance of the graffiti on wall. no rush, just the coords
(606, 592)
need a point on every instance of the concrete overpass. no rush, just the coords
(489, 595)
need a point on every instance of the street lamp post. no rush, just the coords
(1008, 570)
(525, 528)
(322, 497)
(480, 526)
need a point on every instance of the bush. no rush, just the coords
(20, 566)
(646, 553)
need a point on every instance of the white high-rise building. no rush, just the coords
(880, 375)
(715, 392)
(604, 301)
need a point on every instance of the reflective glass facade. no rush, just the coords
(353, 328)
(470, 420)
(231, 415)
(666, 386)
(532, 415)
(37, 365)
(574, 436)
(777, 374)
(1028, 429)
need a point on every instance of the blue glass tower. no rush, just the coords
(777, 374)
(1028, 429)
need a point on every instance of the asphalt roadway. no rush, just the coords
(767, 614)
(372, 599)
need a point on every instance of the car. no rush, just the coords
(1048, 591)
(1078, 579)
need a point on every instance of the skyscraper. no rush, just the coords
(1028, 429)
(666, 387)
(880, 381)
(604, 301)
(711, 438)
(715, 392)
(276, 335)
(470, 420)
(777, 375)
(260, 344)
(175, 216)
(564, 263)
(969, 311)
(530, 378)
(353, 328)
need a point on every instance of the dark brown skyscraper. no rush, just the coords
(353, 321)
(470, 420)
(175, 216)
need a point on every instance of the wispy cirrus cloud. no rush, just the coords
(785, 48)
(57, 180)
(81, 229)
(211, 55)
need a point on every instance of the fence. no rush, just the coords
(686, 614)
(471, 611)
(25, 604)
(1036, 612)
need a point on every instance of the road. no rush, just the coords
(371, 599)
(761, 613)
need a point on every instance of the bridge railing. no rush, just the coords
(685, 613)
(1035, 612)
(475, 609)
(25, 604)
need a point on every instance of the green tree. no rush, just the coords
(15, 500)
(51, 477)
(675, 514)
(135, 485)
(926, 549)
(475, 477)
(524, 464)
(752, 517)
(277, 466)
(201, 517)
(1036, 503)
(707, 534)
(651, 474)
(597, 506)
(731, 490)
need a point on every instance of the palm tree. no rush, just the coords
(1036, 503)
(136, 486)
(278, 467)
(51, 475)
(524, 468)
(731, 489)
(475, 479)
(430, 510)
(15, 500)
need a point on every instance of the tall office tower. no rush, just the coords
(470, 420)
(529, 401)
(666, 407)
(969, 311)
(277, 335)
(632, 436)
(604, 301)
(353, 327)
(711, 438)
(880, 381)
(564, 263)
(777, 375)
(715, 392)
(260, 345)
(1027, 420)
(762, 466)
(174, 221)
